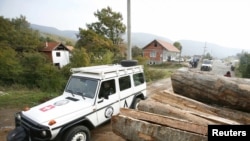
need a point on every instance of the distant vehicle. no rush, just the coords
(194, 62)
(206, 65)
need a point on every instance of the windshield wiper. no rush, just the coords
(81, 94)
(71, 92)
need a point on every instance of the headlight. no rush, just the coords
(44, 133)
(18, 116)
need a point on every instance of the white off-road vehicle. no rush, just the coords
(84, 103)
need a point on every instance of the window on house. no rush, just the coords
(58, 54)
(152, 54)
(155, 44)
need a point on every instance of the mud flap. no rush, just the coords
(18, 134)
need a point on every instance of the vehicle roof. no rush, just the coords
(106, 71)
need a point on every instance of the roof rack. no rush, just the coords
(103, 70)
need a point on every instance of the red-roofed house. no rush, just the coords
(160, 51)
(58, 53)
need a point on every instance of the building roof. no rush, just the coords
(166, 45)
(70, 48)
(49, 46)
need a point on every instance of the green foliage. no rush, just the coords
(244, 65)
(80, 58)
(96, 45)
(208, 56)
(51, 79)
(10, 67)
(136, 51)
(109, 25)
(107, 58)
(178, 45)
(33, 64)
(18, 35)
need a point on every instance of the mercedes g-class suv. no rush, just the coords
(91, 97)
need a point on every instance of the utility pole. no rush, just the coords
(204, 50)
(129, 57)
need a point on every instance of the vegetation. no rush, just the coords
(28, 74)
(244, 65)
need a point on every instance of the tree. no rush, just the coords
(109, 25)
(136, 51)
(208, 56)
(244, 65)
(10, 68)
(80, 58)
(96, 45)
(18, 34)
(178, 46)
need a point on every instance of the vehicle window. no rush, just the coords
(207, 62)
(107, 88)
(138, 79)
(82, 86)
(124, 83)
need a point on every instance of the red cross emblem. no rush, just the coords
(46, 108)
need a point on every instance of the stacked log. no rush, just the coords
(144, 126)
(197, 100)
(230, 92)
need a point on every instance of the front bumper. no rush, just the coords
(34, 131)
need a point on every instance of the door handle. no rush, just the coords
(100, 101)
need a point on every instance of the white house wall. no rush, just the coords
(166, 54)
(63, 59)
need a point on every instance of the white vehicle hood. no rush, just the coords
(57, 108)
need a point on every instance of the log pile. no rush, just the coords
(230, 92)
(168, 115)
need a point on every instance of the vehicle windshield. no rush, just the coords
(82, 86)
(207, 62)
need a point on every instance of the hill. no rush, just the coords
(189, 47)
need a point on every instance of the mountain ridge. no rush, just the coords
(141, 39)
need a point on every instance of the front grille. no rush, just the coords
(34, 129)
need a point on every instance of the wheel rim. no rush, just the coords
(81, 136)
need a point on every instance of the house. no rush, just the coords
(160, 51)
(57, 53)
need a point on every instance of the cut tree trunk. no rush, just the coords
(170, 104)
(143, 126)
(229, 92)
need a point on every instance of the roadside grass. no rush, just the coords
(161, 71)
(21, 97)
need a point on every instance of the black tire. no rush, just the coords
(78, 133)
(135, 103)
(128, 63)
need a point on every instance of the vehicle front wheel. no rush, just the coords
(78, 133)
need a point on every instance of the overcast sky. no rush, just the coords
(222, 22)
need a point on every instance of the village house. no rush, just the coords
(160, 51)
(57, 53)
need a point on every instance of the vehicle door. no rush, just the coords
(107, 101)
(126, 91)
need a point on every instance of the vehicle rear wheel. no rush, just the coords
(135, 103)
(78, 133)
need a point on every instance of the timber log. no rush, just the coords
(143, 126)
(213, 89)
